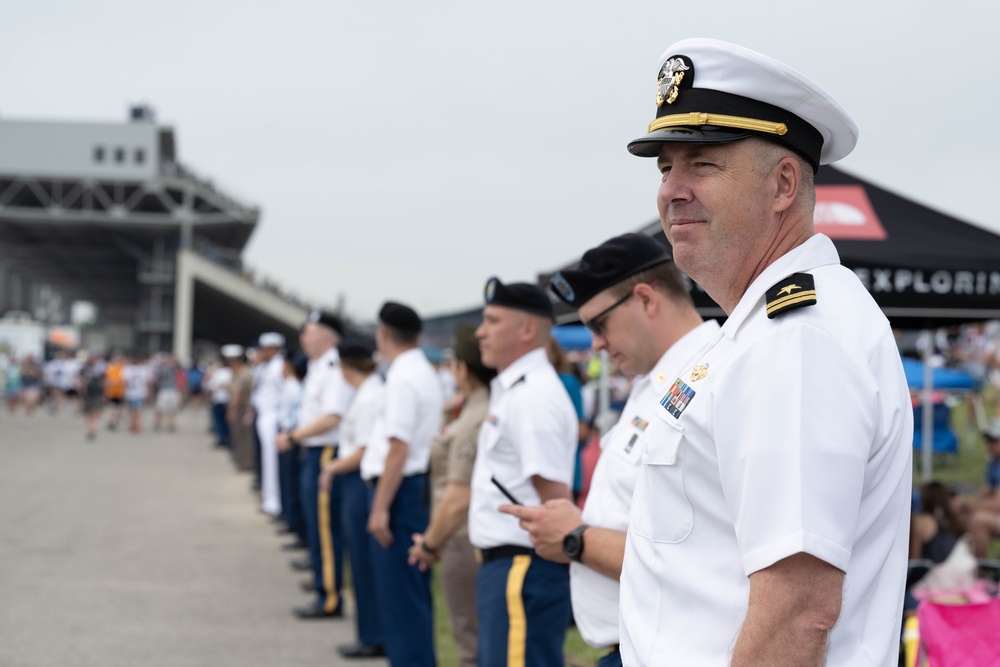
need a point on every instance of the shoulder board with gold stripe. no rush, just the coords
(796, 291)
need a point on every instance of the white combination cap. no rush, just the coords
(231, 351)
(710, 91)
(271, 339)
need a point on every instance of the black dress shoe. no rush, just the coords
(315, 611)
(360, 651)
(297, 545)
(301, 564)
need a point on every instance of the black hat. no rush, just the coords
(710, 91)
(608, 264)
(401, 318)
(519, 296)
(327, 319)
(356, 348)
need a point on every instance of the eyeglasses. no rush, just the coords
(596, 323)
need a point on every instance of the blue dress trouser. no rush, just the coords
(354, 522)
(289, 474)
(220, 426)
(611, 660)
(404, 592)
(321, 511)
(524, 609)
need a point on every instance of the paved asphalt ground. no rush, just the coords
(143, 550)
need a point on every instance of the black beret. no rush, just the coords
(327, 319)
(519, 296)
(606, 265)
(356, 348)
(401, 318)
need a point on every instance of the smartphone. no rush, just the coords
(504, 491)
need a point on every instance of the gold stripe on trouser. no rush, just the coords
(326, 539)
(517, 622)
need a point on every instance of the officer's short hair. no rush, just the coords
(664, 277)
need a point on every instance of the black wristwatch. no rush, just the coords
(573, 543)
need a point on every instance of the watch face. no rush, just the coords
(573, 545)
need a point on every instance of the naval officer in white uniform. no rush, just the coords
(527, 444)
(266, 401)
(770, 520)
(637, 307)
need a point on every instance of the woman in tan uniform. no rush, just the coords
(238, 412)
(453, 454)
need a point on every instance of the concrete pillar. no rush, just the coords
(183, 306)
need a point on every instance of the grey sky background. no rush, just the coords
(411, 150)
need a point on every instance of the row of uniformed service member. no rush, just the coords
(765, 527)
(769, 519)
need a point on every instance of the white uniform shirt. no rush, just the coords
(793, 435)
(531, 429)
(356, 428)
(324, 392)
(218, 384)
(410, 411)
(291, 401)
(595, 596)
(268, 379)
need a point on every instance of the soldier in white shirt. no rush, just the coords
(770, 519)
(359, 369)
(395, 466)
(637, 307)
(526, 445)
(266, 400)
(325, 400)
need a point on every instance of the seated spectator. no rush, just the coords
(937, 526)
(982, 512)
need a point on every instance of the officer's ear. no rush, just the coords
(646, 295)
(788, 179)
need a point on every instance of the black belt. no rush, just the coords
(506, 551)
(374, 480)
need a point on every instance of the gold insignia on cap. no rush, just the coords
(699, 372)
(796, 291)
(668, 84)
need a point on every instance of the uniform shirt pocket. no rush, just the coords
(489, 435)
(661, 511)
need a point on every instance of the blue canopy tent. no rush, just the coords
(941, 378)
(932, 421)
(572, 337)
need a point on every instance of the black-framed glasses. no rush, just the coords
(596, 323)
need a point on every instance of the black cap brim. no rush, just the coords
(650, 145)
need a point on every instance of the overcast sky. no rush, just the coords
(411, 150)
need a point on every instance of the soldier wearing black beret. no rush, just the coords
(528, 446)
(325, 399)
(633, 299)
(395, 466)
